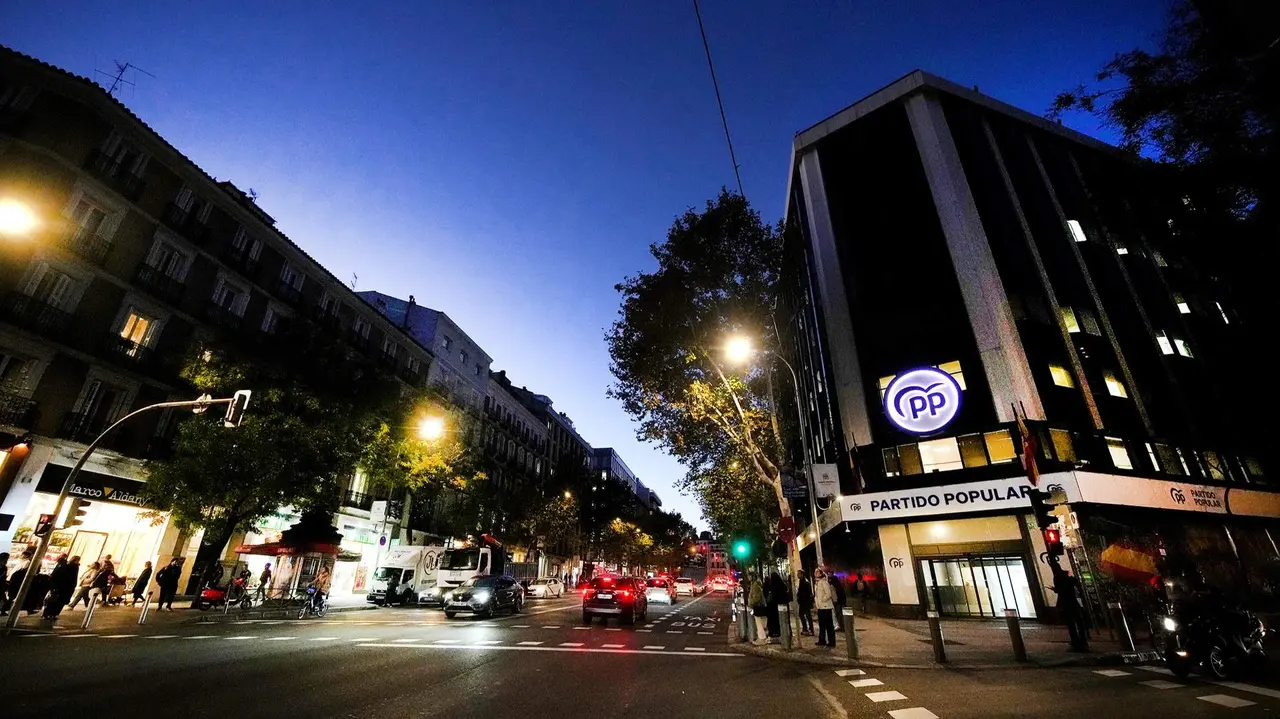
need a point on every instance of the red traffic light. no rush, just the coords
(1052, 537)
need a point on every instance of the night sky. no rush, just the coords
(509, 162)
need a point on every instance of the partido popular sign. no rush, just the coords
(994, 495)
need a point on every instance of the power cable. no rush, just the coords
(723, 121)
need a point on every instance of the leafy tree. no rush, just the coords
(624, 541)
(717, 276)
(548, 520)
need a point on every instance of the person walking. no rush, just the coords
(102, 583)
(62, 582)
(264, 583)
(824, 597)
(167, 579)
(776, 594)
(141, 583)
(837, 588)
(804, 597)
(86, 585)
(759, 610)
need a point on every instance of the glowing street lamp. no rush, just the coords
(568, 494)
(738, 349)
(431, 428)
(16, 219)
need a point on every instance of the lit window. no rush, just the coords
(884, 385)
(1222, 312)
(1183, 348)
(137, 328)
(1061, 376)
(1151, 454)
(1122, 250)
(940, 455)
(953, 369)
(971, 450)
(1166, 347)
(1069, 319)
(1159, 258)
(1000, 446)
(1090, 323)
(1114, 386)
(1077, 232)
(1181, 303)
(1063, 448)
(1119, 454)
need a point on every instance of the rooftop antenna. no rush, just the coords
(118, 80)
(354, 277)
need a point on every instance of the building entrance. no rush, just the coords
(977, 586)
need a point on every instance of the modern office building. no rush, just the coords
(956, 263)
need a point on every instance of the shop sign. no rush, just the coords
(93, 486)
(1180, 496)
(826, 480)
(993, 495)
(922, 400)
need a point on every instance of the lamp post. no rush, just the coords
(16, 218)
(738, 350)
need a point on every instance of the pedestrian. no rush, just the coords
(1067, 589)
(141, 583)
(863, 589)
(824, 597)
(804, 597)
(62, 582)
(4, 583)
(102, 583)
(167, 580)
(87, 579)
(216, 574)
(264, 583)
(776, 594)
(759, 610)
(837, 588)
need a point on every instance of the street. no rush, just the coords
(414, 662)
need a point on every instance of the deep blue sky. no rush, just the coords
(509, 162)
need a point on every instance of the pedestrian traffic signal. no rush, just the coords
(1053, 542)
(76, 512)
(235, 410)
(44, 525)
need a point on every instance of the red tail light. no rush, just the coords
(624, 593)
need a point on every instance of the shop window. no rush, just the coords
(1077, 232)
(1115, 387)
(1166, 347)
(972, 452)
(1061, 376)
(1000, 446)
(1069, 319)
(1181, 303)
(1169, 462)
(1183, 348)
(1063, 448)
(940, 455)
(1119, 453)
(909, 459)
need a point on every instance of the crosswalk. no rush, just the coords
(1228, 701)
(879, 693)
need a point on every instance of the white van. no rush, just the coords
(407, 575)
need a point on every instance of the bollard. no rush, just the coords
(146, 609)
(784, 625)
(744, 622)
(850, 639)
(935, 633)
(1015, 634)
(1126, 637)
(88, 613)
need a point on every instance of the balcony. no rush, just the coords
(88, 245)
(387, 360)
(357, 340)
(327, 319)
(126, 352)
(223, 317)
(112, 172)
(81, 427)
(184, 222)
(409, 374)
(29, 312)
(286, 292)
(155, 282)
(16, 410)
(357, 500)
(239, 260)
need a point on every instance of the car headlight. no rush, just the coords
(480, 597)
(448, 596)
(433, 591)
(1170, 625)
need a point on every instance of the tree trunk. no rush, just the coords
(793, 560)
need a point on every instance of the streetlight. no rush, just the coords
(568, 494)
(431, 428)
(738, 349)
(16, 219)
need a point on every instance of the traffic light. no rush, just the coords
(76, 512)
(235, 410)
(44, 525)
(1053, 542)
(741, 549)
(1044, 512)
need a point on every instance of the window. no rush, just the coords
(271, 320)
(1090, 323)
(1165, 346)
(246, 245)
(50, 286)
(361, 327)
(138, 328)
(1069, 319)
(448, 343)
(412, 364)
(1215, 465)
(15, 373)
(971, 450)
(1222, 312)
(479, 369)
(389, 348)
(88, 218)
(1000, 446)
(884, 385)
(1122, 250)
(121, 156)
(1169, 462)
(1119, 454)
(1077, 232)
(1181, 304)
(909, 459)
(1063, 448)
(953, 369)
(462, 356)
(1151, 454)
(1183, 348)
(1061, 376)
(230, 296)
(1114, 386)
(169, 260)
(291, 276)
(1159, 258)
(185, 199)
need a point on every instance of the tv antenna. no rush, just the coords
(118, 79)
(354, 279)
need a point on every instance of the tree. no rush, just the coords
(717, 276)
(548, 521)
(625, 542)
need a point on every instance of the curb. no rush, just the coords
(1084, 660)
(219, 617)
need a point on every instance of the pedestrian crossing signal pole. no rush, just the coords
(74, 517)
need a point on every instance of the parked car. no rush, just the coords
(546, 588)
(661, 590)
(484, 596)
(685, 585)
(621, 597)
(719, 584)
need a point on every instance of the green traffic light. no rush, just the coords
(740, 549)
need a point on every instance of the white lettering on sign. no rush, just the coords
(997, 494)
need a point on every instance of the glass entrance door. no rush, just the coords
(977, 586)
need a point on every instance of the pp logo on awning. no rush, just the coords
(922, 401)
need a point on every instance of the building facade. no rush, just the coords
(139, 256)
(958, 263)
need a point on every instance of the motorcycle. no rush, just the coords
(1222, 641)
(211, 597)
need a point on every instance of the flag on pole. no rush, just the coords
(1029, 448)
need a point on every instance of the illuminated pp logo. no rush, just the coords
(922, 401)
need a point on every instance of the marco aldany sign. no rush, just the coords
(922, 400)
(93, 486)
(993, 495)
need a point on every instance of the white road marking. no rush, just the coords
(1227, 701)
(272, 623)
(324, 639)
(913, 713)
(405, 641)
(695, 649)
(677, 624)
(519, 626)
(1239, 686)
(571, 644)
(613, 629)
(580, 650)
(364, 639)
(1111, 672)
(528, 644)
(202, 636)
(553, 626)
(583, 628)
(233, 639)
(119, 636)
(886, 696)
(706, 634)
(611, 646)
(279, 639)
(865, 682)
(76, 636)
(849, 672)
(448, 641)
(161, 636)
(1162, 684)
(674, 631)
(655, 647)
(646, 631)
(490, 641)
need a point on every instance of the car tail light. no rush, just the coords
(624, 593)
(587, 591)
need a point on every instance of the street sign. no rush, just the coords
(378, 511)
(792, 487)
(786, 529)
(826, 480)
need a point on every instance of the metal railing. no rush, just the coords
(156, 282)
(36, 315)
(111, 171)
(185, 223)
(222, 316)
(16, 410)
(125, 351)
(88, 245)
(357, 500)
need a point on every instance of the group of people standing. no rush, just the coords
(825, 592)
(66, 585)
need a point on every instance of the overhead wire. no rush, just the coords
(715, 84)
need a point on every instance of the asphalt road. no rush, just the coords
(415, 663)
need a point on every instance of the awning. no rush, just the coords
(273, 549)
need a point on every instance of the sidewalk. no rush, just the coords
(123, 618)
(970, 644)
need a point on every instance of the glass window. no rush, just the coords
(448, 343)
(940, 455)
(1214, 465)
(1077, 232)
(230, 297)
(1253, 467)
(890, 456)
(972, 451)
(1159, 258)
(1184, 349)
(953, 369)
(1063, 448)
(1181, 303)
(1090, 323)
(1122, 250)
(1114, 386)
(1166, 347)
(137, 327)
(1170, 463)
(1069, 319)
(909, 459)
(1119, 454)
(1182, 461)
(1151, 454)
(1000, 446)
(1061, 376)
(884, 385)
(463, 356)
